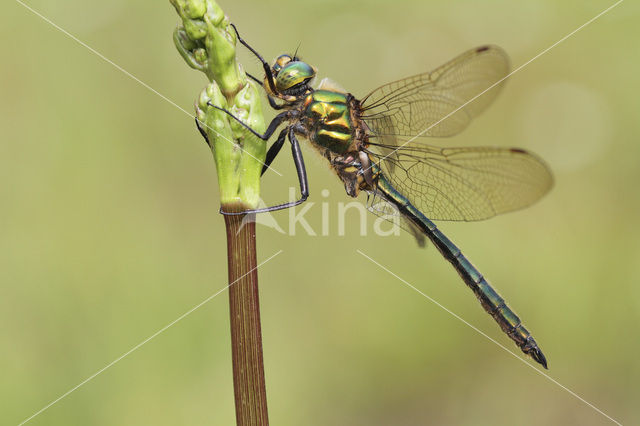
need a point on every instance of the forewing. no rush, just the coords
(441, 102)
(467, 184)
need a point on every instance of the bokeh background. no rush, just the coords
(109, 227)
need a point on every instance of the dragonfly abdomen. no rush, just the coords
(490, 300)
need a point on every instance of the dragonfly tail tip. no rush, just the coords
(539, 357)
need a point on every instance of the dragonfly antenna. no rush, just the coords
(295, 54)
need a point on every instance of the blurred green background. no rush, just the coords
(109, 227)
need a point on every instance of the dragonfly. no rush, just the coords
(376, 145)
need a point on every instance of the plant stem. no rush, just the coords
(246, 336)
(207, 43)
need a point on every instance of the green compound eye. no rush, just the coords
(292, 74)
(280, 62)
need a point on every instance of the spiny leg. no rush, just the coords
(202, 132)
(277, 121)
(272, 102)
(265, 64)
(302, 178)
(274, 150)
(301, 170)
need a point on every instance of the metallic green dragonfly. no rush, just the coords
(376, 145)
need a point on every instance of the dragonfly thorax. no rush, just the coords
(331, 121)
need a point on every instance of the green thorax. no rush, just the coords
(327, 116)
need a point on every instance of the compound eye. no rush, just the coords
(293, 74)
(279, 63)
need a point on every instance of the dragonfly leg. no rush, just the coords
(274, 150)
(302, 178)
(202, 132)
(267, 69)
(300, 168)
(272, 101)
(277, 121)
(254, 78)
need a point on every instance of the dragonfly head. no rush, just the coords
(292, 77)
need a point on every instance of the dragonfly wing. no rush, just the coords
(466, 184)
(441, 102)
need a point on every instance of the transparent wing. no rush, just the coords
(434, 103)
(472, 183)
